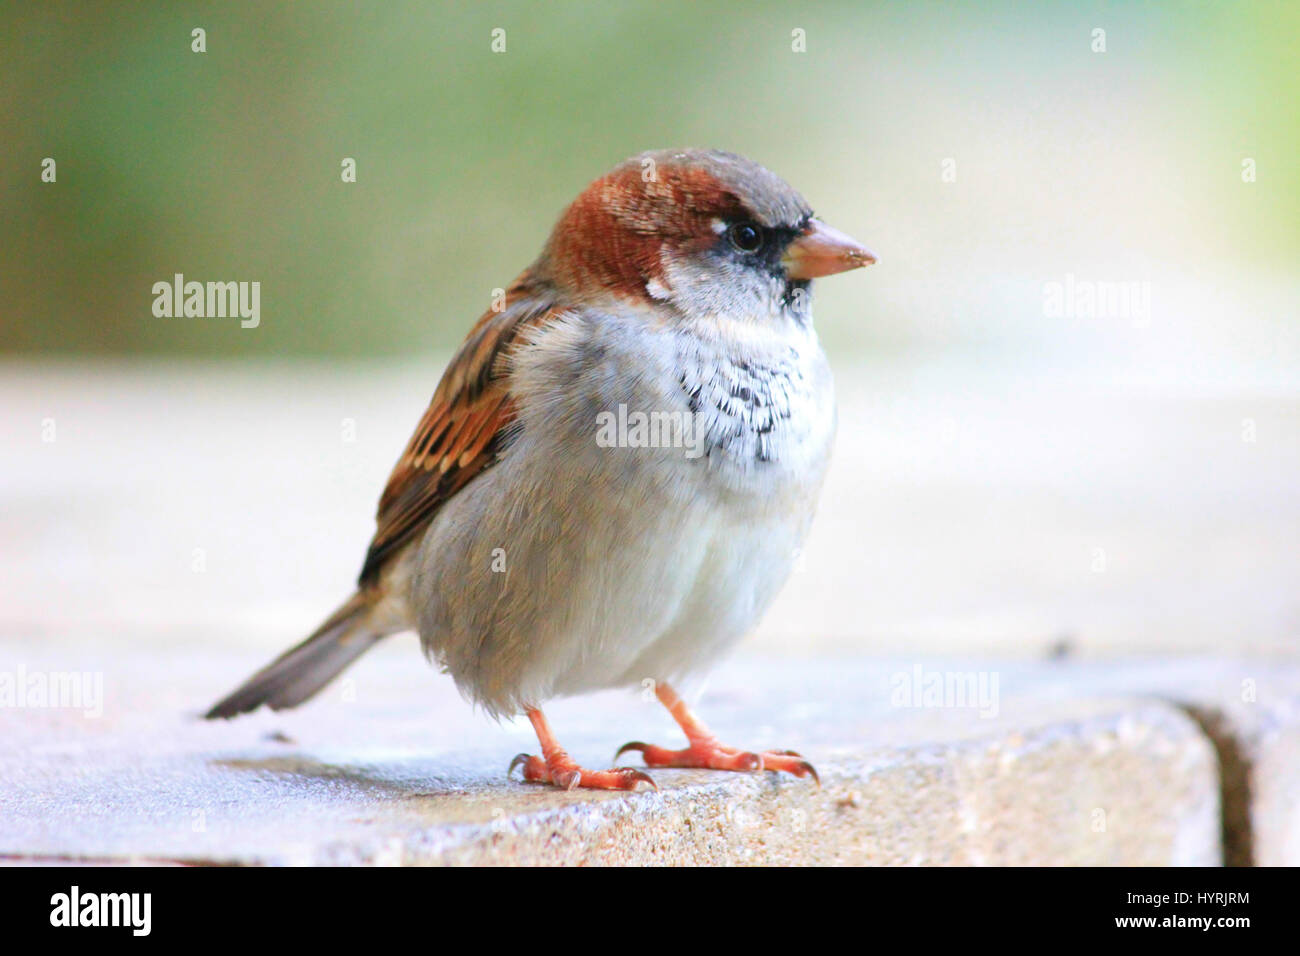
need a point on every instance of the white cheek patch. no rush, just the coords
(657, 290)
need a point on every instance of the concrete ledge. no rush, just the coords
(1132, 786)
(1259, 759)
(1067, 764)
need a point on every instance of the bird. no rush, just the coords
(617, 469)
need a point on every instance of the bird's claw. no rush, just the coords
(569, 776)
(639, 776)
(631, 745)
(519, 759)
(709, 755)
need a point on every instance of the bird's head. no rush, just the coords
(696, 234)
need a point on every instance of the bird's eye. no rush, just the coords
(746, 236)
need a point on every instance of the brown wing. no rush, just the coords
(462, 430)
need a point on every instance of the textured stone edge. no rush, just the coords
(1134, 785)
(1259, 759)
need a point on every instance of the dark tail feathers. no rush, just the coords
(303, 670)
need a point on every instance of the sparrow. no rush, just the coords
(617, 468)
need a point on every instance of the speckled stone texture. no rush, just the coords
(1061, 534)
(1065, 764)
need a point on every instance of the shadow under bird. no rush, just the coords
(540, 553)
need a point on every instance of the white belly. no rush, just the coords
(570, 567)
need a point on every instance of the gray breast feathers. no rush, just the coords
(744, 404)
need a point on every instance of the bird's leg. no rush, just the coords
(706, 752)
(556, 767)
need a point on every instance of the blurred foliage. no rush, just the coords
(226, 165)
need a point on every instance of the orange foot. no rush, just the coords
(711, 755)
(705, 752)
(558, 768)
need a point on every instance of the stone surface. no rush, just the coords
(392, 767)
(171, 527)
(1250, 710)
(974, 506)
(1259, 754)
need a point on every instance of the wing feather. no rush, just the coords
(463, 430)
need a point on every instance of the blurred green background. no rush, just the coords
(989, 448)
(1121, 166)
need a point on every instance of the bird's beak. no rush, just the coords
(823, 251)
